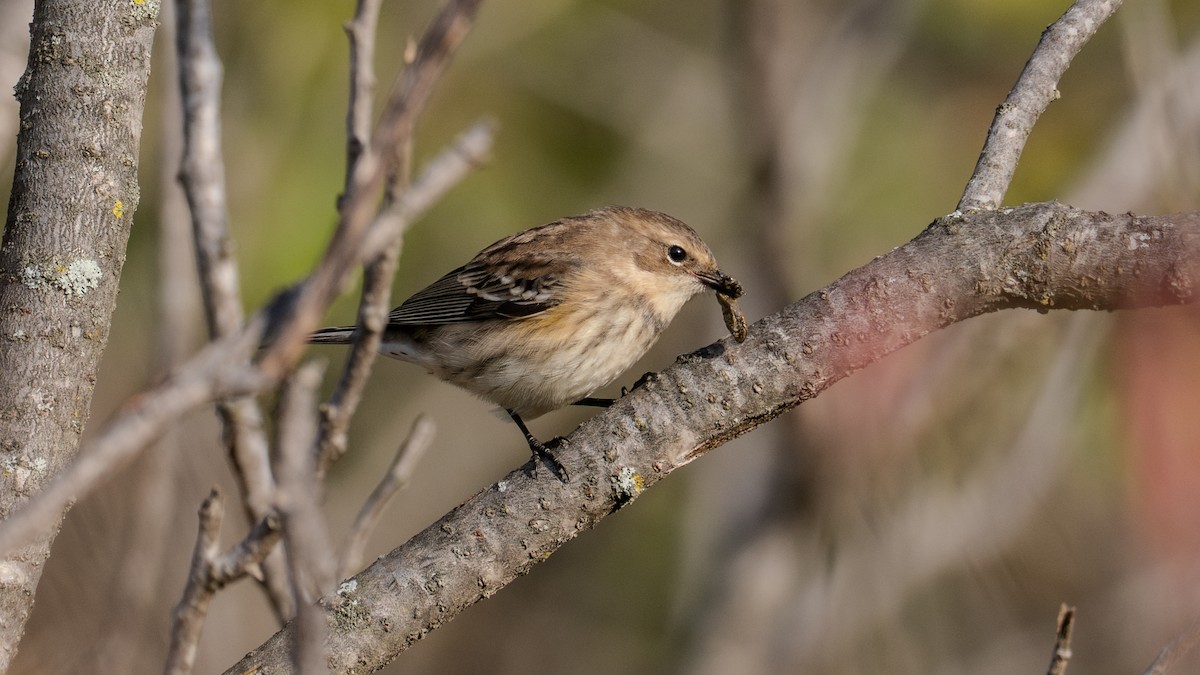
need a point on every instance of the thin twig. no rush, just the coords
(192, 608)
(380, 270)
(470, 148)
(1062, 641)
(218, 370)
(1175, 650)
(420, 437)
(202, 173)
(355, 227)
(361, 33)
(210, 573)
(1035, 89)
(305, 533)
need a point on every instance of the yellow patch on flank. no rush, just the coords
(119, 207)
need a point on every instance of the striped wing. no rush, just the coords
(475, 292)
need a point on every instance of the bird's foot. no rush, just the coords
(542, 454)
(639, 383)
(597, 402)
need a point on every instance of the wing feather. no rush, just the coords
(478, 292)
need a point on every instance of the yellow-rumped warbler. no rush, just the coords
(542, 318)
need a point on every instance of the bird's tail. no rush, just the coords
(338, 335)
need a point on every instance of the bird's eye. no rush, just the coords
(676, 254)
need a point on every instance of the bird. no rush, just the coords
(542, 318)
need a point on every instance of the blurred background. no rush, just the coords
(927, 515)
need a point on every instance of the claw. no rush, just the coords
(541, 453)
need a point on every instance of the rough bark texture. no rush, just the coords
(73, 198)
(1042, 256)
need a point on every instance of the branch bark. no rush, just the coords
(74, 195)
(1041, 256)
(1035, 90)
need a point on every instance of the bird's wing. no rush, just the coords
(505, 289)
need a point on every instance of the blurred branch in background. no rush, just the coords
(202, 175)
(310, 555)
(1174, 652)
(155, 497)
(1062, 643)
(210, 572)
(799, 76)
(14, 48)
(419, 438)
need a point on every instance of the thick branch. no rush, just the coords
(73, 198)
(1044, 256)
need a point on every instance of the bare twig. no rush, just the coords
(411, 450)
(361, 33)
(471, 147)
(210, 573)
(1175, 650)
(202, 174)
(379, 271)
(1062, 641)
(193, 607)
(305, 533)
(218, 370)
(202, 170)
(203, 178)
(1030, 96)
(355, 233)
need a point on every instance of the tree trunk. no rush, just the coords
(74, 194)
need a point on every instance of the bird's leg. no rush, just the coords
(607, 402)
(639, 383)
(540, 452)
(595, 402)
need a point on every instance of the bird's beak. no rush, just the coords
(721, 283)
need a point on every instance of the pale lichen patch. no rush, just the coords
(74, 279)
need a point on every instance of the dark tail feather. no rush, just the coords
(338, 335)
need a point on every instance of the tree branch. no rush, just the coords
(429, 60)
(420, 437)
(210, 573)
(74, 193)
(305, 534)
(355, 233)
(1035, 89)
(202, 174)
(1171, 654)
(1043, 256)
